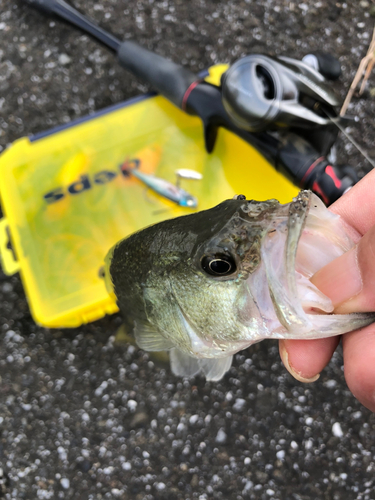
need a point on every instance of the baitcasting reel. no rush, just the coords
(260, 92)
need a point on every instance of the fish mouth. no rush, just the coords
(288, 261)
(282, 284)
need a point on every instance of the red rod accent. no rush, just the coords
(330, 171)
(318, 190)
(310, 169)
(188, 92)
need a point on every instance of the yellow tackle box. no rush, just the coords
(66, 200)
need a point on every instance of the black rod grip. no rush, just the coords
(166, 77)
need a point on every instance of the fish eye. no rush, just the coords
(218, 265)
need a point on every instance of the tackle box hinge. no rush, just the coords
(9, 262)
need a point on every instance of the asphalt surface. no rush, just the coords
(82, 416)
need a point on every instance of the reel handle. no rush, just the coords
(327, 64)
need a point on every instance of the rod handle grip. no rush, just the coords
(168, 78)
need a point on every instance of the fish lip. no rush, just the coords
(282, 282)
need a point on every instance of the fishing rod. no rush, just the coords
(280, 106)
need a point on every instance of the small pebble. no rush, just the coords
(193, 419)
(239, 404)
(64, 59)
(132, 405)
(65, 483)
(221, 436)
(116, 492)
(336, 430)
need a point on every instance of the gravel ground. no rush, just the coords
(82, 416)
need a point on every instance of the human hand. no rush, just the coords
(349, 281)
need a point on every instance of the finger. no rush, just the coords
(359, 364)
(349, 280)
(305, 359)
(357, 206)
(340, 280)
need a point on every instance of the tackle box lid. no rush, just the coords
(67, 198)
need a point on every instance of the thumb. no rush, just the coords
(349, 280)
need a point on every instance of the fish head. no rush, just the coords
(186, 277)
(208, 286)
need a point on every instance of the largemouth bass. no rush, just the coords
(207, 285)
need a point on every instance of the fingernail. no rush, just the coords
(341, 279)
(297, 375)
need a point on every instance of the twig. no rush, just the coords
(366, 64)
